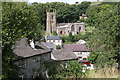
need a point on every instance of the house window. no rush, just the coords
(51, 48)
(79, 53)
(80, 58)
(34, 58)
(88, 65)
(68, 31)
(48, 41)
(44, 57)
(23, 63)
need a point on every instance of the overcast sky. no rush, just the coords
(65, 1)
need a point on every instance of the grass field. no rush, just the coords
(103, 73)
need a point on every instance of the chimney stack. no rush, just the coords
(32, 44)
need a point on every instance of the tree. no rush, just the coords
(67, 14)
(54, 33)
(73, 70)
(53, 68)
(83, 36)
(8, 67)
(40, 10)
(70, 37)
(35, 3)
(18, 20)
(58, 47)
(64, 12)
(69, 69)
(81, 8)
(105, 36)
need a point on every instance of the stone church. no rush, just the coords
(62, 28)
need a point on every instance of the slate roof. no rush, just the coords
(75, 47)
(53, 38)
(50, 45)
(22, 49)
(64, 55)
(64, 25)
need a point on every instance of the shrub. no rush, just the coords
(107, 72)
(58, 47)
(54, 33)
(70, 37)
(102, 59)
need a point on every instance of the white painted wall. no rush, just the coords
(56, 42)
(32, 44)
(82, 54)
(52, 57)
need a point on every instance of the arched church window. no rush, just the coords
(72, 28)
(52, 16)
(52, 21)
(79, 28)
(60, 32)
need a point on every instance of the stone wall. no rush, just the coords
(33, 66)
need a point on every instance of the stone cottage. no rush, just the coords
(56, 40)
(31, 58)
(81, 51)
(63, 55)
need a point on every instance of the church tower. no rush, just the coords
(51, 22)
